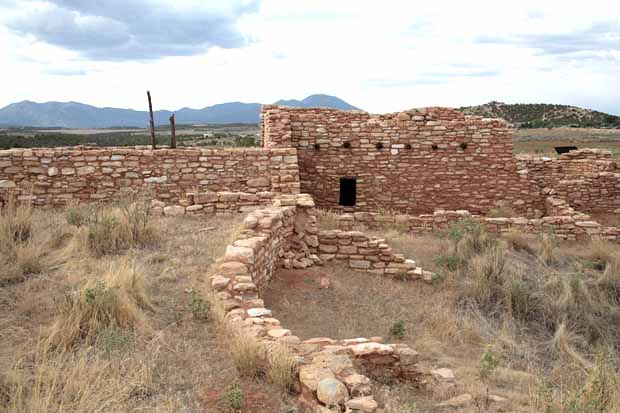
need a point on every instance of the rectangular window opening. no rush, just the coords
(348, 191)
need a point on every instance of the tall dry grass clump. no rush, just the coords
(547, 248)
(111, 229)
(21, 253)
(282, 366)
(116, 300)
(247, 353)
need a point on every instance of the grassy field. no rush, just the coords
(101, 310)
(526, 318)
(542, 141)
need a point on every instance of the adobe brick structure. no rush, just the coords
(413, 161)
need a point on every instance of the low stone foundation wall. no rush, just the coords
(588, 179)
(564, 221)
(50, 177)
(369, 254)
(204, 203)
(331, 372)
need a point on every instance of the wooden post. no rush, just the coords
(152, 122)
(173, 136)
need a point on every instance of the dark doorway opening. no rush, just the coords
(564, 149)
(348, 191)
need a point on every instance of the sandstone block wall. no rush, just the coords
(56, 176)
(589, 179)
(286, 234)
(563, 220)
(426, 159)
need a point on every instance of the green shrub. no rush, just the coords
(200, 307)
(397, 330)
(488, 364)
(233, 398)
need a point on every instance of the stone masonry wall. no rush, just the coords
(56, 176)
(427, 158)
(563, 220)
(589, 179)
(286, 234)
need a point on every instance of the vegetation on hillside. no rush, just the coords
(538, 115)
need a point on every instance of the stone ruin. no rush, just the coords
(428, 167)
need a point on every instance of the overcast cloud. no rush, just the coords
(380, 56)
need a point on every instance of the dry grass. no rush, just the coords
(501, 212)
(502, 313)
(282, 366)
(247, 353)
(115, 300)
(328, 219)
(126, 321)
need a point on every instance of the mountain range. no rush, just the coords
(79, 115)
(541, 115)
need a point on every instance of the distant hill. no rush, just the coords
(540, 115)
(318, 101)
(79, 115)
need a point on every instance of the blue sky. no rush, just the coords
(381, 56)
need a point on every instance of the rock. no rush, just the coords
(241, 254)
(365, 349)
(52, 171)
(156, 180)
(233, 268)
(7, 184)
(364, 404)
(497, 399)
(443, 374)
(332, 392)
(174, 210)
(310, 375)
(219, 283)
(259, 312)
(85, 170)
(278, 332)
(457, 401)
(358, 384)
(258, 182)
(362, 264)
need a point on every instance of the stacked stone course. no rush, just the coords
(427, 158)
(563, 220)
(331, 372)
(589, 179)
(57, 176)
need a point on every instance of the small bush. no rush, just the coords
(397, 330)
(199, 307)
(113, 341)
(449, 261)
(233, 398)
(282, 365)
(488, 364)
(80, 214)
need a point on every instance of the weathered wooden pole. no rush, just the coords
(148, 93)
(173, 136)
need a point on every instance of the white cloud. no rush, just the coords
(381, 56)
